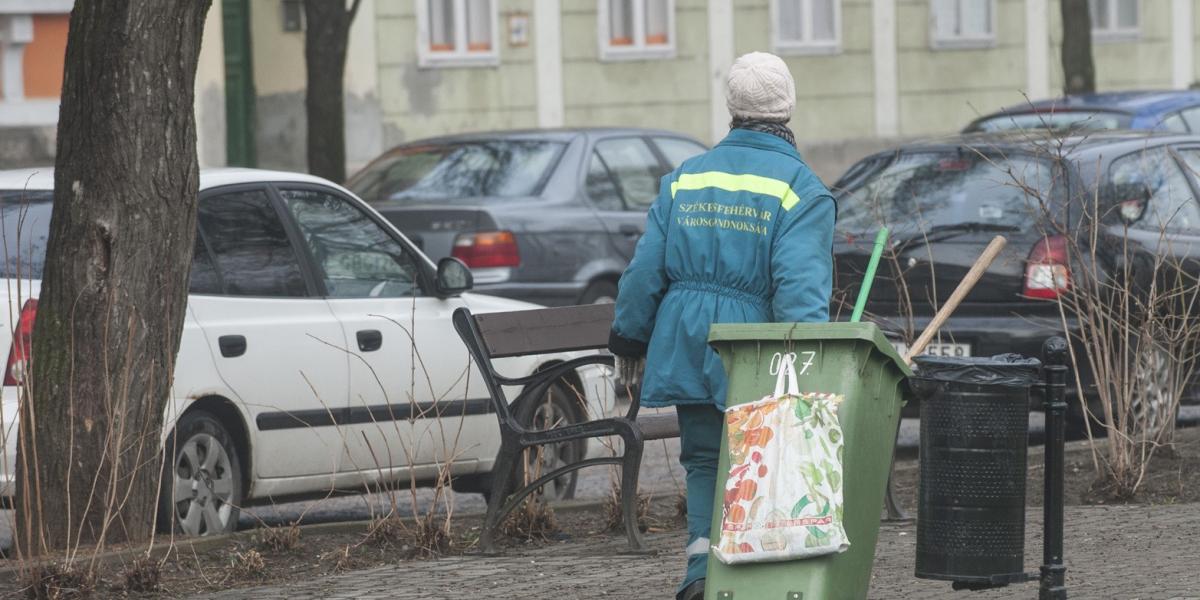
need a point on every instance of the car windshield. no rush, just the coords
(1064, 120)
(25, 216)
(430, 173)
(958, 192)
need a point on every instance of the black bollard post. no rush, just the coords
(1053, 580)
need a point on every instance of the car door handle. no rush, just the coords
(630, 230)
(232, 345)
(370, 340)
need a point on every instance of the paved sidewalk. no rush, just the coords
(1125, 552)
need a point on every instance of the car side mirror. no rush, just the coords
(1128, 199)
(453, 277)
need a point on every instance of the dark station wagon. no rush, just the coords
(944, 200)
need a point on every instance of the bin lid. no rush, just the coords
(867, 332)
(1002, 369)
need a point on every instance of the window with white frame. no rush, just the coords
(802, 26)
(962, 23)
(457, 33)
(632, 29)
(1114, 18)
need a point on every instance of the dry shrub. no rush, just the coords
(54, 581)
(614, 516)
(141, 575)
(278, 539)
(388, 531)
(532, 520)
(681, 511)
(342, 560)
(247, 565)
(431, 536)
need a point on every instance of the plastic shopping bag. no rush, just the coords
(783, 497)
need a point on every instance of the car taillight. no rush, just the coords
(1047, 273)
(487, 249)
(22, 345)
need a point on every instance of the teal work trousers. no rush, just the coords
(700, 447)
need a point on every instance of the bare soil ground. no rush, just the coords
(282, 554)
(1173, 476)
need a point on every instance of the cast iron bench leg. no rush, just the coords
(630, 467)
(502, 473)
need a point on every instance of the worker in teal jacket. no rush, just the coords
(740, 234)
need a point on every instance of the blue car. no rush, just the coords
(1172, 110)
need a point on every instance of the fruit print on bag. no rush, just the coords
(783, 497)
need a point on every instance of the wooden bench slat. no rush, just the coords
(658, 426)
(546, 330)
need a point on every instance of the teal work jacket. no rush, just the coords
(740, 234)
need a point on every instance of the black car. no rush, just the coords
(944, 200)
(545, 216)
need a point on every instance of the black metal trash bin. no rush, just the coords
(974, 436)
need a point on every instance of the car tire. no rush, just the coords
(556, 408)
(202, 489)
(600, 292)
(1153, 378)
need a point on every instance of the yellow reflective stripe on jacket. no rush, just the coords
(730, 182)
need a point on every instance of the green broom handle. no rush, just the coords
(869, 278)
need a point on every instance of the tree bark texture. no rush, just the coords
(326, 35)
(1079, 70)
(114, 288)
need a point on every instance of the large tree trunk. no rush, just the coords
(114, 288)
(326, 34)
(1079, 71)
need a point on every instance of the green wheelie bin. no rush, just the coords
(851, 359)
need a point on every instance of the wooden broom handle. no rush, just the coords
(964, 287)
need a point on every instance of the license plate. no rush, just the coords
(938, 349)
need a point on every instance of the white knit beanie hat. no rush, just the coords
(760, 88)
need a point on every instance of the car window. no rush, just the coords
(677, 150)
(1174, 122)
(600, 186)
(634, 168)
(25, 217)
(920, 191)
(357, 257)
(1060, 120)
(204, 278)
(1172, 205)
(440, 172)
(1191, 116)
(250, 246)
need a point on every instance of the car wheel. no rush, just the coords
(1154, 401)
(600, 292)
(202, 490)
(556, 408)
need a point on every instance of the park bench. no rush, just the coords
(545, 331)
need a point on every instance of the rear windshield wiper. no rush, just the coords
(940, 233)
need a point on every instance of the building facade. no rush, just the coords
(867, 71)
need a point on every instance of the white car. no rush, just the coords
(317, 351)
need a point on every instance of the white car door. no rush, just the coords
(409, 401)
(275, 342)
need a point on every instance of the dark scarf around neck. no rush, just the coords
(774, 128)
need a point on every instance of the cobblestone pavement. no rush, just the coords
(1125, 552)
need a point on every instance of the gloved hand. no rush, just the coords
(629, 369)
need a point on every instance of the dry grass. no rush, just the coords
(54, 581)
(614, 516)
(141, 576)
(247, 565)
(533, 520)
(283, 538)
